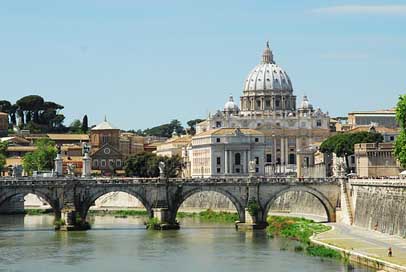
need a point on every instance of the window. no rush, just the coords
(256, 140)
(353, 159)
(258, 103)
(291, 159)
(256, 170)
(95, 163)
(218, 124)
(218, 160)
(111, 163)
(218, 170)
(318, 123)
(105, 139)
(277, 103)
(217, 140)
(237, 170)
(392, 138)
(237, 159)
(268, 157)
(256, 160)
(103, 163)
(268, 103)
(118, 163)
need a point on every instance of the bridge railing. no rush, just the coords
(129, 180)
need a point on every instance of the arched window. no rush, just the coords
(237, 159)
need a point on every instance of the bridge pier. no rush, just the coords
(252, 222)
(70, 220)
(165, 219)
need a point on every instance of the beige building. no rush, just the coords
(227, 151)
(131, 144)
(173, 146)
(375, 160)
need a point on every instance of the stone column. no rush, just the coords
(165, 219)
(59, 165)
(86, 168)
(282, 151)
(225, 162)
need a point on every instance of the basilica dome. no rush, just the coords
(230, 106)
(267, 76)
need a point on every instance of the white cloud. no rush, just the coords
(364, 9)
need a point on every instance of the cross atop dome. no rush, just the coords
(267, 56)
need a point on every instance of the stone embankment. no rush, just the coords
(379, 204)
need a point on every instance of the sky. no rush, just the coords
(145, 63)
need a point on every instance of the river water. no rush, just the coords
(29, 243)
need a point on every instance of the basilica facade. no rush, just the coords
(267, 130)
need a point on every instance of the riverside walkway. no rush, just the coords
(361, 243)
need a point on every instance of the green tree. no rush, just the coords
(142, 165)
(42, 158)
(192, 125)
(400, 144)
(85, 124)
(166, 130)
(30, 105)
(3, 156)
(146, 165)
(342, 144)
(75, 126)
(173, 166)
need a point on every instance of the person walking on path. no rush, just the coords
(390, 252)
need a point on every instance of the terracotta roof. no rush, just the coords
(3, 113)
(182, 139)
(14, 160)
(230, 131)
(69, 137)
(22, 148)
(377, 129)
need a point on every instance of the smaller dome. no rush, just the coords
(305, 103)
(230, 106)
(104, 126)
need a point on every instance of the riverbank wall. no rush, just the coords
(359, 258)
(379, 204)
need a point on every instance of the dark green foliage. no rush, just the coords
(42, 158)
(5, 106)
(85, 124)
(3, 156)
(146, 165)
(75, 127)
(342, 144)
(300, 229)
(37, 115)
(400, 144)
(165, 130)
(211, 216)
(192, 125)
(253, 207)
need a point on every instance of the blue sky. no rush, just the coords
(143, 63)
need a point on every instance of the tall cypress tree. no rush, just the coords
(85, 124)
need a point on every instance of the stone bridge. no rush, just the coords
(72, 197)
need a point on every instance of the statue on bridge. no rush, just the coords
(161, 167)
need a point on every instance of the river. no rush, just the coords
(28, 243)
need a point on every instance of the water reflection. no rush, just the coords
(123, 244)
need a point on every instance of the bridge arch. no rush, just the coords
(84, 206)
(235, 200)
(44, 194)
(325, 202)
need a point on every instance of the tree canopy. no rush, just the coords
(165, 130)
(3, 155)
(146, 165)
(34, 113)
(342, 144)
(42, 158)
(400, 144)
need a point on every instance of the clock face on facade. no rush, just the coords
(107, 151)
